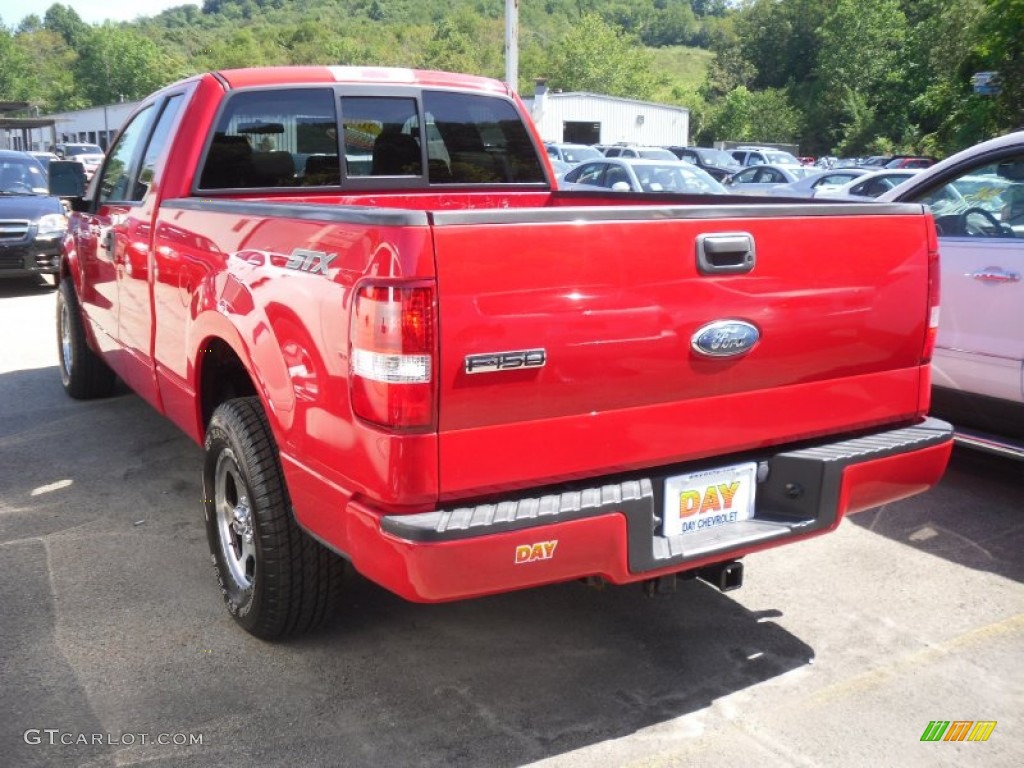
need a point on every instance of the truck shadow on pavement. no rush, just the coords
(25, 286)
(977, 521)
(113, 624)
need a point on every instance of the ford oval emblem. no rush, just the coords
(725, 338)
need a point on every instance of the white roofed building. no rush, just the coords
(591, 118)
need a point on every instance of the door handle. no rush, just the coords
(995, 275)
(728, 253)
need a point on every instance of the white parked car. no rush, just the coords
(763, 156)
(871, 185)
(977, 198)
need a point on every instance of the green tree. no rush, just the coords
(745, 115)
(63, 20)
(14, 72)
(52, 62)
(860, 71)
(595, 56)
(117, 62)
(464, 42)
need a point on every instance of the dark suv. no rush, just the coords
(32, 222)
(716, 162)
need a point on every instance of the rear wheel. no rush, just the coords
(82, 372)
(275, 579)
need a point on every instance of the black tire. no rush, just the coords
(82, 372)
(276, 580)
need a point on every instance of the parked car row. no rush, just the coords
(638, 174)
(876, 162)
(718, 162)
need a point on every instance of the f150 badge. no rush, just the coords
(725, 338)
(506, 361)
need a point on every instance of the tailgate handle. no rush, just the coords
(725, 253)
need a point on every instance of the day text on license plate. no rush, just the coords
(709, 499)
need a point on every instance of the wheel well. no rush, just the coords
(223, 377)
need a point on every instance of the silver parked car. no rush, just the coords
(648, 153)
(756, 179)
(630, 174)
(977, 199)
(819, 182)
(572, 154)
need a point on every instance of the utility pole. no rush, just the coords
(512, 44)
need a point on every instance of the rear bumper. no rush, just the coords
(611, 527)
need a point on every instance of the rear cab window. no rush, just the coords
(350, 137)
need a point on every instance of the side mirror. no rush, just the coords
(67, 179)
(621, 186)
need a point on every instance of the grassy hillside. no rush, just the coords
(685, 66)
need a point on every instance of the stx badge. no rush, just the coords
(314, 262)
(529, 553)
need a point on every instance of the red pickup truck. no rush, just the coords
(402, 346)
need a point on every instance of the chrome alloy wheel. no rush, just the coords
(65, 340)
(234, 519)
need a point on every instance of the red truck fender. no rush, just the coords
(261, 358)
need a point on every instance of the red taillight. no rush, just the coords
(392, 355)
(933, 293)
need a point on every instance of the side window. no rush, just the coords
(157, 143)
(590, 174)
(985, 201)
(282, 137)
(115, 186)
(482, 137)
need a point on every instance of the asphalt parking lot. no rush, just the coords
(837, 652)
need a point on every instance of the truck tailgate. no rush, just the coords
(614, 297)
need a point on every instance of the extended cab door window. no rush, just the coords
(272, 138)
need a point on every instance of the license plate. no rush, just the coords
(709, 499)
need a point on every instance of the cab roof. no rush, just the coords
(311, 75)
